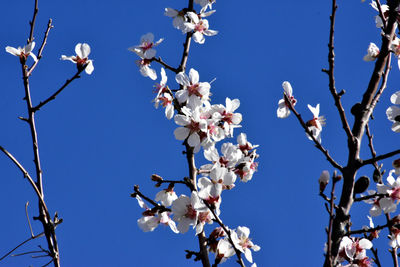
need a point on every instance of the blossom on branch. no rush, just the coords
(164, 96)
(372, 52)
(393, 112)
(145, 48)
(81, 59)
(23, 52)
(199, 27)
(144, 68)
(194, 92)
(178, 17)
(316, 123)
(242, 242)
(353, 250)
(283, 108)
(385, 11)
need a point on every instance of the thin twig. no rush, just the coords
(317, 144)
(393, 251)
(330, 72)
(358, 199)
(26, 253)
(53, 96)
(159, 60)
(376, 260)
(380, 157)
(27, 217)
(39, 55)
(32, 22)
(378, 4)
(331, 218)
(24, 242)
(159, 207)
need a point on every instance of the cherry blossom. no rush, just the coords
(283, 109)
(244, 145)
(394, 238)
(145, 48)
(315, 124)
(224, 250)
(227, 116)
(221, 178)
(242, 242)
(178, 17)
(194, 92)
(163, 96)
(230, 155)
(385, 11)
(193, 126)
(372, 52)
(205, 3)
(393, 112)
(199, 27)
(81, 59)
(353, 250)
(144, 68)
(190, 211)
(166, 196)
(23, 52)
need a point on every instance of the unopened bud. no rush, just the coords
(323, 180)
(361, 185)
(156, 178)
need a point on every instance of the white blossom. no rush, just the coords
(23, 52)
(81, 59)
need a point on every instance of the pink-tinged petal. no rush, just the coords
(236, 118)
(33, 56)
(193, 17)
(247, 254)
(283, 111)
(211, 154)
(150, 53)
(148, 223)
(183, 225)
(395, 98)
(170, 12)
(287, 88)
(89, 67)
(203, 182)
(148, 37)
(210, 32)
(182, 96)
(365, 243)
(182, 120)
(193, 76)
(193, 140)
(169, 111)
(182, 79)
(13, 51)
(198, 38)
(181, 133)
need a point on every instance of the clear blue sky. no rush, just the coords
(102, 135)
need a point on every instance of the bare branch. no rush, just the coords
(53, 96)
(39, 56)
(380, 157)
(32, 22)
(21, 244)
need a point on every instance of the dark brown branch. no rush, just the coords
(369, 230)
(380, 157)
(159, 207)
(371, 146)
(392, 251)
(159, 60)
(32, 22)
(330, 72)
(39, 55)
(317, 144)
(358, 199)
(53, 96)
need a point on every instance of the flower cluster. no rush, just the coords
(353, 250)
(393, 112)
(200, 125)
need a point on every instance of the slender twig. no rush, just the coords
(369, 230)
(21, 244)
(48, 263)
(371, 145)
(358, 199)
(159, 60)
(380, 157)
(53, 96)
(26, 253)
(308, 131)
(26, 175)
(39, 55)
(27, 217)
(159, 207)
(392, 251)
(331, 75)
(228, 233)
(32, 22)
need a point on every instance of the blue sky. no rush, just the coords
(102, 135)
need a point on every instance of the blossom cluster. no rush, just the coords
(201, 125)
(353, 250)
